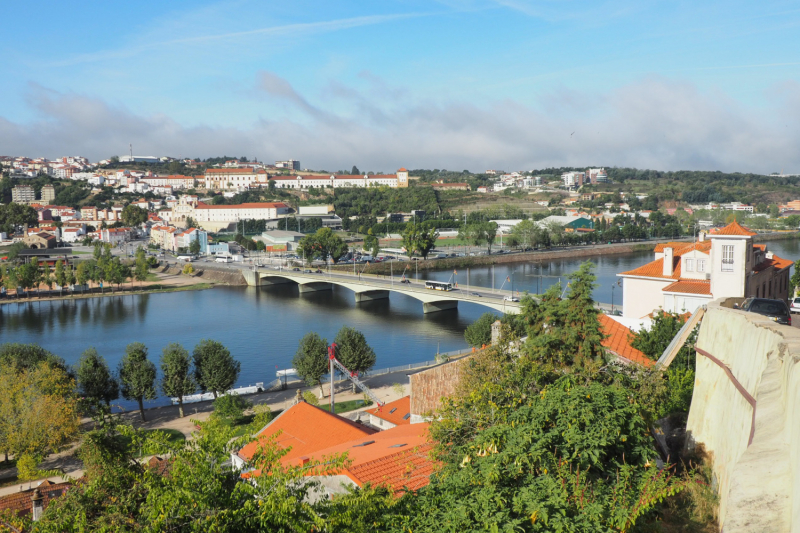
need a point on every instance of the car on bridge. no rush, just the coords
(511, 298)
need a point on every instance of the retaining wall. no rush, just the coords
(745, 412)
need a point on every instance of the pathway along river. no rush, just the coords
(262, 326)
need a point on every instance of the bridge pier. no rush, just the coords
(368, 296)
(314, 287)
(433, 307)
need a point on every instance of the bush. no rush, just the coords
(188, 269)
(262, 415)
(231, 407)
(26, 467)
(311, 398)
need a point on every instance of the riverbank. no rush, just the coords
(167, 281)
(538, 256)
(525, 257)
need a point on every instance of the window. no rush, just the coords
(701, 265)
(689, 265)
(727, 258)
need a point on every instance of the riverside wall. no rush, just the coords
(746, 412)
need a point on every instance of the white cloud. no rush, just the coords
(654, 123)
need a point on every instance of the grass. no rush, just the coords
(344, 407)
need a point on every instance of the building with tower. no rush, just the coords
(725, 263)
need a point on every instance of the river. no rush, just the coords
(262, 326)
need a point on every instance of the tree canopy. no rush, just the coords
(95, 379)
(311, 360)
(137, 375)
(176, 380)
(215, 369)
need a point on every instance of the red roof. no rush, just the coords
(397, 412)
(618, 341)
(307, 429)
(401, 169)
(689, 287)
(777, 262)
(396, 458)
(734, 228)
(20, 502)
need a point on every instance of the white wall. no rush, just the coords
(759, 484)
(642, 296)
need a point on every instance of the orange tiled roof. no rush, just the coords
(777, 262)
(402, 169)
(762, 247)
(689, 287)
(396, 458)
(396, 412)
(618, 341)
(655, 269)
(307, 429)
(734, 228)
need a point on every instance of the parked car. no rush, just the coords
(295, 269)
(307, 271)
(777, 310)
(318, 271)
(405, 280)
(794, 307)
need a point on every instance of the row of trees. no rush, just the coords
(312, 363)
(211, 368)
(103, 267)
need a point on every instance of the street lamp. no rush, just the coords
(614, 286)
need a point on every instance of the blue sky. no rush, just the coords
(474, 84)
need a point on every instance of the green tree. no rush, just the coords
(141, 268)
(420, 239)
(215, 369)
(574, 457)
(566, 333)
(133, 215)
(230, 408)
(176, 380)
(62, 276)
(95, 379)
(526, 232)
(137, 375)
(353, 351)
(82, 274)
(38, 411)
(194, 247)
(794, 282)
(47, 277)
(354, 171)
(479, 333)
(321, 245)
(311, 360)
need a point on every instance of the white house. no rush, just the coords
(684, 276)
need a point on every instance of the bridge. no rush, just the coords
(368, 287)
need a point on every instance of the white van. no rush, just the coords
(223, 259)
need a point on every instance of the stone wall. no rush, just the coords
(428, 387)
(745, 411)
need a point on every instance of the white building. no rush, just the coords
(684, 276)
(398, 180)
(72, 234)
(219, 179)
(216, 217)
